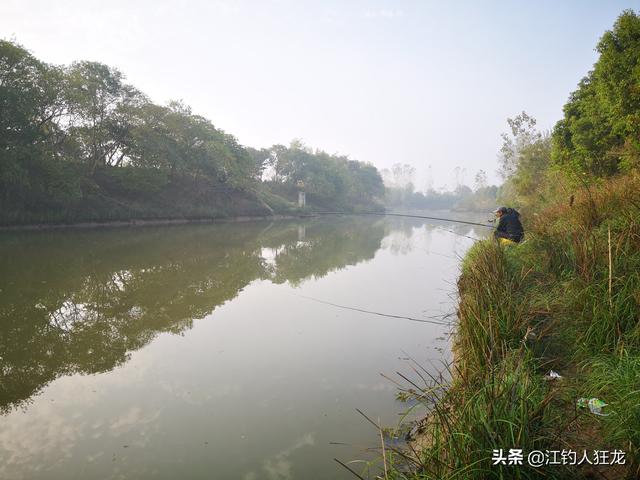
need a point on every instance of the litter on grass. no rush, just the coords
(595, 405)
(552, 375)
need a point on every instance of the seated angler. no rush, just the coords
(509, 228)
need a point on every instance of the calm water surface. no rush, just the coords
(210, 351)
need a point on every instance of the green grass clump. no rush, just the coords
(567, 299)
(616, 378)
(479, 415)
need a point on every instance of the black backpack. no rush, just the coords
(513, 211)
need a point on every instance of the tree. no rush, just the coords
(403, 175)
(99, 106)
(176, 141)
(525, 157)
(600, 132)
(30, 105)
(261, 161)
(480, 180)
(333, 181)
(523, 133)
(30, 97)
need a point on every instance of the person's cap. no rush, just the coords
(500, 210)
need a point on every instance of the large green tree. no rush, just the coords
(31, 104)
(600, 132)
(100, 113)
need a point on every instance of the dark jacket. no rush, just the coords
(510, 227)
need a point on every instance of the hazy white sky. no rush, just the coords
(419, 82)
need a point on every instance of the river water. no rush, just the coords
(215, 351)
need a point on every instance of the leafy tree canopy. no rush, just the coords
(600, 132)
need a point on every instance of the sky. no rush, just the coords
(419, 82)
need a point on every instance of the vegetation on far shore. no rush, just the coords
(77, 143)
(401, 192)
(568, 299)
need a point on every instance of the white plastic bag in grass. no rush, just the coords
(552, 375)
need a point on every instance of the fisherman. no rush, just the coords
(509, 228)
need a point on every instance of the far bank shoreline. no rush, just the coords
(143, 222)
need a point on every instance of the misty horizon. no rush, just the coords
(413, 83)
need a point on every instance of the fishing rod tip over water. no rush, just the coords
(394, 214)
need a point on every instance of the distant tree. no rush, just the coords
(522, 133)
(403, 176)
(261, 161)
(458, 176)
(463, 191)
(328, 179)
(525, 157)
(480, 180)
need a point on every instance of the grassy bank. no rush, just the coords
(567, 299)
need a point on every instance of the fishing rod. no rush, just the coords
(456, 233)
(434, 319)
(391, 214)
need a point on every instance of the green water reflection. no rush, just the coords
(79, 312)
(78, 302)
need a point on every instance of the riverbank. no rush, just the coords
(143, 222)
(567, 300)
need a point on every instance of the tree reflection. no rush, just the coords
(80, 302)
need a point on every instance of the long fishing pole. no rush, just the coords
(456, 233)
(431, 319)
(391, 214)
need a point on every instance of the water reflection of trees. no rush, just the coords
(321, 248)
(399, 232)
(80, 302)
